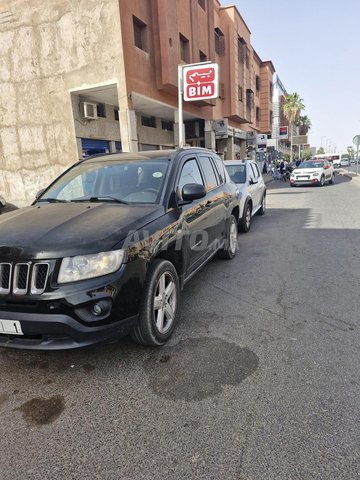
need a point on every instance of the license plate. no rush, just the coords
(10, 327)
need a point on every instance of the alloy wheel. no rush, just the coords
(248, 217)
(233, 237)
(165, 302)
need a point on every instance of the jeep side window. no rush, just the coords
(208, 169)
(219, 169)
(190, 173)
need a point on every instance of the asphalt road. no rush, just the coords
(260, 381)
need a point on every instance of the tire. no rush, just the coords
(159, 305)
(262, 209)
(332, 180)
(322, 181)
(292, 185)
(245, 220)
(228, 252)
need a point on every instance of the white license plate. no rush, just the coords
(10, 327)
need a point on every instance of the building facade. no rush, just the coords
(92, 76)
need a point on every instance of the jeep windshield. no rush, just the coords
(128, 182)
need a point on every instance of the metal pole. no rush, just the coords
(357, 159)
(180, 106)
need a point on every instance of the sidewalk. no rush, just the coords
(350, 175)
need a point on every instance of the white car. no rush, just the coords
(247, 176)
(313, 172)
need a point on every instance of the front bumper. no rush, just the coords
(310, 181)
(63, 316)
(61, 332)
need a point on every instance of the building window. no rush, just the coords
(241, 49)
(148, 121)
(202, 4)
(219, 42)
(247, 57)
(116, 114)
(257, 115)
(165, 125)
(249, 98)
(257, 82)
(139, 34)
(271, 89)
(221, 90)
(100, 107)
(240, 93)
(184, 49)
(202, 56)
(271, 118)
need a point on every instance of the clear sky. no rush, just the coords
(315, 48)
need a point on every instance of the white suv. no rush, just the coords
(313, 172)
(247, 176)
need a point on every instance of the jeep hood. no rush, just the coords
(67, 229)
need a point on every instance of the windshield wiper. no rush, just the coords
(105, 198)
(51, 200)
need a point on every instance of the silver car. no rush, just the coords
(247, 176)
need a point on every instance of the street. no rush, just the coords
(259, 382)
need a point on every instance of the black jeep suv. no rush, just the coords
(105, 250)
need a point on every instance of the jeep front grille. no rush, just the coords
(23, 278)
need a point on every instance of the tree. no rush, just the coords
(320, 151)
(351, 152)
(292, 108)
(304, 124)
(307, 154)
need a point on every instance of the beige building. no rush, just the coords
(91, 76)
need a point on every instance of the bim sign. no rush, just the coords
(201, 82)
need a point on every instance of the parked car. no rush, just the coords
(246, 175)
(313, 172)
(105, 250)
(6, 206)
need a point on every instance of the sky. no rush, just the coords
(315, 48)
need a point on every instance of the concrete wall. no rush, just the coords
(154, 136)
(48, 48)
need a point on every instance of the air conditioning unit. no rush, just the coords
(88, 110)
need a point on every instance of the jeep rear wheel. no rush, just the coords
(228, 252)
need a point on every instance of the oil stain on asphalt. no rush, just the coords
(41, 411)
(198, 368)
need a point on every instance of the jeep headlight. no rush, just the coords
(94, 265)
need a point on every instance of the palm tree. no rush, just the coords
(304, 123)
(292, 108)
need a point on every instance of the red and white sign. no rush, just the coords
(283, 133)
(201, 82)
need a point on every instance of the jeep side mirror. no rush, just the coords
(193, 191)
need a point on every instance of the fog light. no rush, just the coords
(98, 309)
